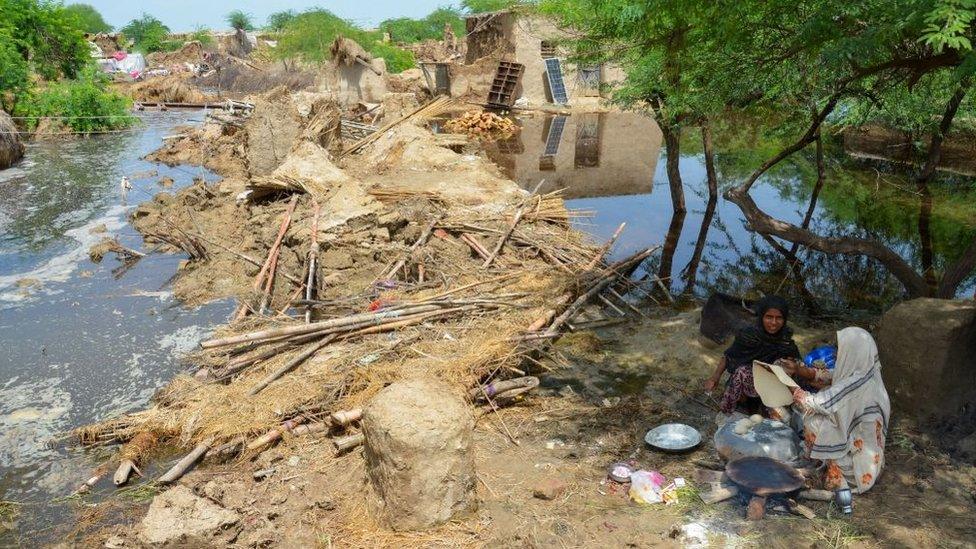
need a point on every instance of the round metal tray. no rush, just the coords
(673, 437)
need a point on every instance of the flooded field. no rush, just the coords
(81, 341)
(613, 165)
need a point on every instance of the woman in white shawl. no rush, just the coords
(845, 424)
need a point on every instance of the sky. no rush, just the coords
(186, 15)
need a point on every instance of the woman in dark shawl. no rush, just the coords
(768, 340)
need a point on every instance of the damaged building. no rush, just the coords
(514, 59)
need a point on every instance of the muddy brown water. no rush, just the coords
(80, 345)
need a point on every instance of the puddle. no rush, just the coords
(80, 345)
(614, 166)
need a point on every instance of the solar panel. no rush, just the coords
(555, 135)
(556, 84)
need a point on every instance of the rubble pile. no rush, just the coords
(482, 124)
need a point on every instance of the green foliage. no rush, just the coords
(949, 25)
(240, 20)
(149, 34)
(202, 34)
(82, 104)
(484, 6)
(14, 79)
(46, 36)
(279, 19)
(309, 35)
(89, 19)
(407, 30)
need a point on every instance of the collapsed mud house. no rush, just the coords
(530, 44)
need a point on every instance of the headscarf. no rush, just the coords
(856, 394)
(753, 342)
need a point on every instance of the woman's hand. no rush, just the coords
(789, 365)
(710, 384)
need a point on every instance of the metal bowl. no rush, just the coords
(673, 437)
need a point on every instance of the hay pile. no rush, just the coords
(482, 124)
(11, 148)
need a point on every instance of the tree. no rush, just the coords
(47, 38)
(89, 19)
(148, 33)
(279, 19)
(811, 61)
(484, 6)
(407, 30)
(240, 20)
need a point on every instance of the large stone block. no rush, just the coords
(928, 357)
(418, 454)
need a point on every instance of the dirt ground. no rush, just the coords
(591, 411)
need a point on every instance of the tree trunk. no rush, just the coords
(712, 179)
(670, 246)
(672, 147)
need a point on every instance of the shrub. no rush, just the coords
(82, 104)
(431, 27)
(44, 33)
(279, 19)
(309, 35)
(202, 35)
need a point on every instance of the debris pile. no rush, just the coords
(482, 124)
(165, 89)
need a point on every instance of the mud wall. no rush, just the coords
(351, 84)
(598, 154)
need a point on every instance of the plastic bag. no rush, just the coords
(645, 486)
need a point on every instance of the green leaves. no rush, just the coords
(81, 105)
(240, 20)
(148, 33)
(950, 25)
(407, 30)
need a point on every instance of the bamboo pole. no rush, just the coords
(345, 417)
(348, 442)
(604, 249)
(184, 465)
(511, 227)
(275, 434)
(272, 255)
(315, 326)
(290, 365)
(126, 466)
(313, 257)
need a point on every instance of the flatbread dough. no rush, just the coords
(774, 387)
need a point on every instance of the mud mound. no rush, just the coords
(218, 146)
(307, 169)
(271, 131)
(165, 89)
(11, 149)
(236, 80)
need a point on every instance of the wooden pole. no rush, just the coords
(290, 365)
(511, 227)
(313, 257)
(184, 465)
(424, 237)
(272, 254)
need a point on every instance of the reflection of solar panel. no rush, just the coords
(556, 85)
(555, 135)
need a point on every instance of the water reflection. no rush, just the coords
(837, 197)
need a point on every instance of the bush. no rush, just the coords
(431, 27)
(89, 20)
(82, 104)
(44, 33)
(309, 35)
(279, 19)
(202, 35)
(149, 34)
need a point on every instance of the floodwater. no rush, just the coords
(81, 341)
(613, 165)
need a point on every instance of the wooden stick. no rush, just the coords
(348, 442)
(301, 329)
(611, 304)
(184, 465)
(275, 434)
(475, 245)
(511, 227)
(313, 256)
(626, 303)
(272, 254)
(424, 237)
(290, 365)
(126, 466)
(345, 417)
(604, 249)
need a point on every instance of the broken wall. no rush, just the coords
(352, 84)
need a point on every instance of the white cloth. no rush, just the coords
(848, 421)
